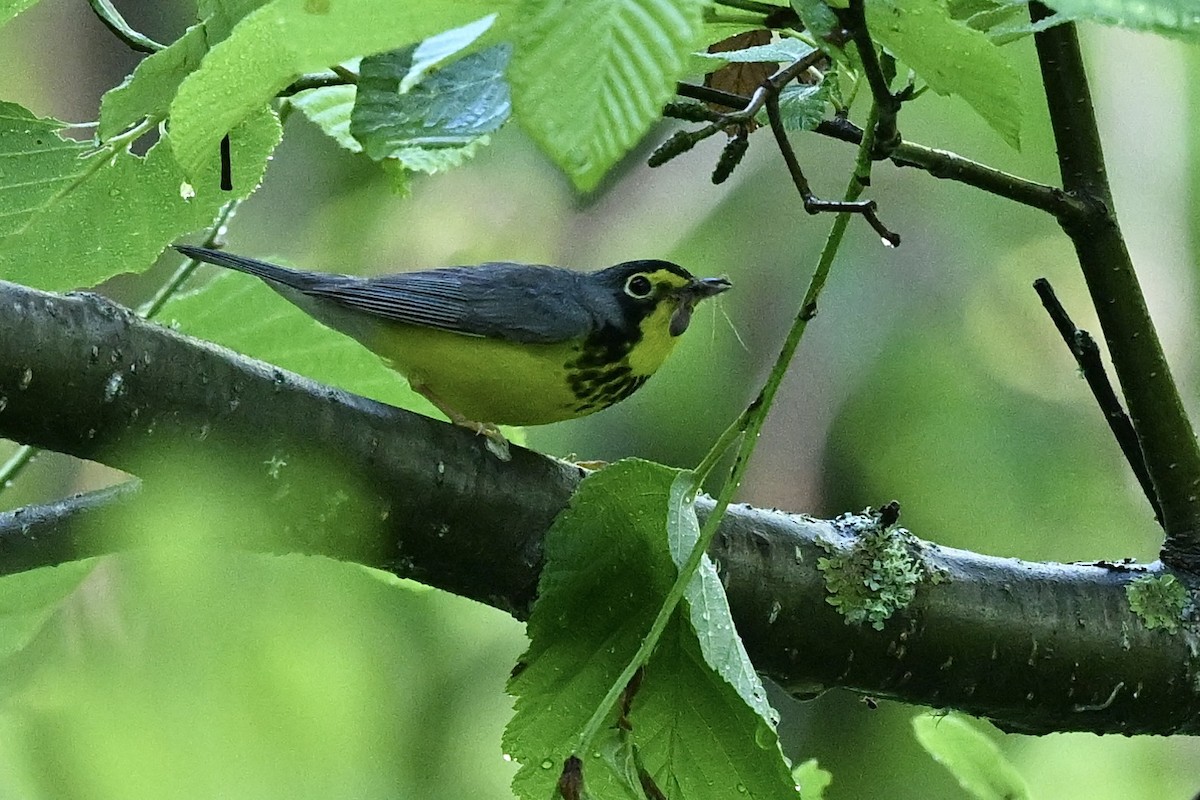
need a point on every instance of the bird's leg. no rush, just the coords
(496, 442)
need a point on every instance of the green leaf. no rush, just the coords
(1179, 19)
(30, 601)
(708, 610)
(971, 757)
(244, 314)
(220, 16)
(817, 17)
(812, 780)
(400, 107)
(1003, 21)
(802, 106)
(10, 8)
(784, 51)
(104, 214)
(148, 91)
(952, 58)
(436, 49)
(587, 86)
(38, 163)
(450, 109)
(329, 108)
(696, 736)
(285, 38)
(1003, 27)
(431, 160)
(608, 568)
(963, 10)
(600, 556)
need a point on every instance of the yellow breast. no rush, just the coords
(487, 380)
(513, 383)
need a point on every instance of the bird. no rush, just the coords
(503, 343)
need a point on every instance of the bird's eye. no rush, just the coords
(639, 287)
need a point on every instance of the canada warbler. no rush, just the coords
(504, 343)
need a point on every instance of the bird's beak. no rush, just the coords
(706, 287)
(690, 295)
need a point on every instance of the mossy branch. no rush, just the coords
(978, 633)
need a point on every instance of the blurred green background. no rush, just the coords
(931, 375)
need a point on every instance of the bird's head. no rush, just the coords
(653, 291)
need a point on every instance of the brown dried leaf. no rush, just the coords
(741, 79)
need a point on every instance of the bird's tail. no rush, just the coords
(296, 279)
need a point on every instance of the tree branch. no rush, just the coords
(887, 134)
(767, 95)
(951, 166)
(1035, 647)
(315, 80)
(146, 400)
(1166, 435)
(813, 204)
(1087, 357)
(938, 163)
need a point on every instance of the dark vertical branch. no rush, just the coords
(887, 134)
(1165, 433)
(1087, 356)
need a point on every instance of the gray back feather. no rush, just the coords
(509, 301)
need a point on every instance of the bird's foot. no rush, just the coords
(496, 444)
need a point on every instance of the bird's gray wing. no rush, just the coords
(433, 299)
(501, 300)
(506, 301)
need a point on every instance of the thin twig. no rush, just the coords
(214, 239)
(113, 20)
(938, 163)
(1087, 356)
(711, 95)
(15, 464)
(773, 16)
(887, 134)
(813, 204)
(766, 9)
(951, 166)
(714, 17)
(772, 86)
(313, 81)
(348, 76)
(768, 95)
(751, 423)
(682, 141)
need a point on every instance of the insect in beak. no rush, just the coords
(692, 294)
